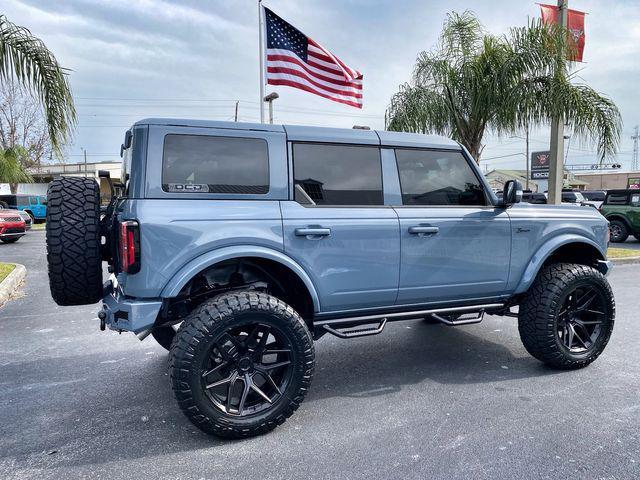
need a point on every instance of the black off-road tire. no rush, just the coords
(194, 341)
(619, 231)
(637, 236)
(164, 336)
(3, 204)
(73, 241)
(538, 314)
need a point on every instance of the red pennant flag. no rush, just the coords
(575, 25)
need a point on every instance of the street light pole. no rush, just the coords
(269, 99)
(556, 167)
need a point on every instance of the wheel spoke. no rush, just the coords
(262, 344)
(256, 389)
(588, 322)
(221, 382)
(276, 350)
(595, 312)
(585, 300)
(273, 366)
(569, 337)
(245, 392)
(215, 369)
(236, 343)
(268, 378)
(232, 383)
(575, 332)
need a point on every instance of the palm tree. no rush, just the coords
(26, 58)
(474, 82)
(12, 169)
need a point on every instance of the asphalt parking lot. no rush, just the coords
(418, 401)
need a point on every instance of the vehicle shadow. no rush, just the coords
(92, 412)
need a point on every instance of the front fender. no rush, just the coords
(545, 251)
(188, 271)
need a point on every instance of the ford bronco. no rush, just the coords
(237, 245)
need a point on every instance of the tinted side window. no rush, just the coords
(337, 174)
(437, 178)
(199, 163)
(617, 199)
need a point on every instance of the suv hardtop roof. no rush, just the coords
(319, 134)
(623, 190)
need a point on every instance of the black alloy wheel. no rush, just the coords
(248, 369)
(579, 323)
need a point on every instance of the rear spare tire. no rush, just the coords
(73, 241)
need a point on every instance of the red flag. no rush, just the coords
(575, 25)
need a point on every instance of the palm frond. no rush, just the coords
(11, 166)
(26, 58)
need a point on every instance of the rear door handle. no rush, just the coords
(423, 230)
(311, 232)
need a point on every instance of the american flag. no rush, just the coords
(295, 60)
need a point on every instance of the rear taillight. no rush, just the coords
(129, 247)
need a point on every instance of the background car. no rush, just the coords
(34, 205)
(12, 226)
(534, 197)
(622, 209)
(594, 197)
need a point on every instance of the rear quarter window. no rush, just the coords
(616, 199)
(212, 164)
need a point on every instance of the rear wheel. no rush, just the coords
(619, 231)
(637, 235)
(73, 241)
(10, 240)
(241, 364)
(567, 316)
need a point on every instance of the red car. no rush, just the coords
(12, 226)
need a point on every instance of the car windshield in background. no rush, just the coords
(594, 196)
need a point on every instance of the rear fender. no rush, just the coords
(197, 265)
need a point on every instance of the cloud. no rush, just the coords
(176, 52)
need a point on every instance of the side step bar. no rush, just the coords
(333, 326)
(357, 332)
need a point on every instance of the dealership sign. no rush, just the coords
(633, 183)
(540, 165)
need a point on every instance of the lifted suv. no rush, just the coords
(622, 209)
(237, 245)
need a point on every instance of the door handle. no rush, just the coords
(311, 232)
(423, 230)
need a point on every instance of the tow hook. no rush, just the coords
(102, 315)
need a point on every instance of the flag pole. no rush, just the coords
(261, 54)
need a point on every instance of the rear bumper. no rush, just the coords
(127, 314)
(605, 266)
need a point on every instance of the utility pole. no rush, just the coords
(85, 161)
(556, 167)
(635, 137)
(236, 115)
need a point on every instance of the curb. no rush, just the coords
(625, 261)
(11, 282)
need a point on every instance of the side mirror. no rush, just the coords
(512, 193)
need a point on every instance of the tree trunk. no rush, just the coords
(14, 188)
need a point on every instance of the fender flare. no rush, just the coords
(545, 251)
(195, 266)
(622, 218)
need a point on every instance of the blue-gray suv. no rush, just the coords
(237, 245)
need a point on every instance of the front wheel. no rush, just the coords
(10, 239)
(567, 317)
(241, 364)
(619, 231)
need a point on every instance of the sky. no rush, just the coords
(194, 59)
